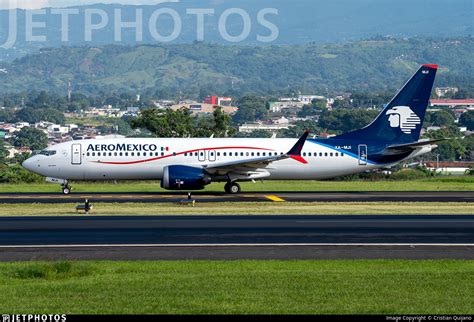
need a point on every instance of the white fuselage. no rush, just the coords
(144, 159)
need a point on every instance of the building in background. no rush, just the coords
(442, 91)
(218, 101)
(276, 107)
(449, 168)
(203, 108)
(452, 103)
(279, 124)
(308, 99)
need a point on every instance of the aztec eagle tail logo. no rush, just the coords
(404, 118)
(400, 121)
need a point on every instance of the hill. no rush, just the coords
(298, 22)
(198, 69)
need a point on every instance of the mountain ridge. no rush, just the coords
(298, 22)
(199, 69)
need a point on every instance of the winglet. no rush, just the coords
(295, 152)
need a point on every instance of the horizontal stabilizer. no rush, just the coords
(411, 146)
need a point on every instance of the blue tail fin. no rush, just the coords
(402, 118)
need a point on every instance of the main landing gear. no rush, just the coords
(232, 188)
(66, 188)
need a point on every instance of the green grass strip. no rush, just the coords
(217, 287)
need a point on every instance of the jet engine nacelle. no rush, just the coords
(180, 177)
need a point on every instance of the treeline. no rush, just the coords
(11, 170)
(199, 69)
(78, 101)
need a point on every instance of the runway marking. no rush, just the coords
(275, 198)
(238, 245)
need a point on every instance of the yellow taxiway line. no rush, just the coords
(275, 198)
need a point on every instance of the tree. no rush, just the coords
(442, 118)
(307, 110)
(6, 116)
(314, 108)
(251, 109)
(181, 123)
(31, 138)
(3, 152)
(43, 99)
(345, 120)
(298, 129)
(453, 149)
(467, 120)
(19, 158)
(52, 115)
(28, 114)
(254, 134)
(468, 142)
(33, 115)
(221, 127)
(165, 123)
(342, 104)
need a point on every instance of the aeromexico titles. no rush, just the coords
(192, 163)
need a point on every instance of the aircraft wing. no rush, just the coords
(252, 165)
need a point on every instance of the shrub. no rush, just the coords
(17, 174)
(51, 271)
(409, 174)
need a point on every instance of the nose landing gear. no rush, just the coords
(66, 188)
(232, 188)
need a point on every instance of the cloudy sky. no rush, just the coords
(36, 4)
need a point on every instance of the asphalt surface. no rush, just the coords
(410, 196)
(237, 237)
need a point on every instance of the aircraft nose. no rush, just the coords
(28, 164)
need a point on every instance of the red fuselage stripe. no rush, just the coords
(180, 153)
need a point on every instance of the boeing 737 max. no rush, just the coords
(191, 164)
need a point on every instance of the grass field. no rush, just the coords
(435, 184)
(243, 208)
(200, 287)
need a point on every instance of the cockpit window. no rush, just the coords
(48, 153)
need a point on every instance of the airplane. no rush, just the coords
(190, 164)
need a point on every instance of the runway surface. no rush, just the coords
(237, 237)
(432, 196)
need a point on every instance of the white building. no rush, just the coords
(250, 127)
(21, 125)
(442, 91)
(133, 109)
(308, 99)
(276, 107)
(282, 121)
(108, 111)
(57, 129)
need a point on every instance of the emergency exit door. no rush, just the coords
(362, 154)
(76, 154)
